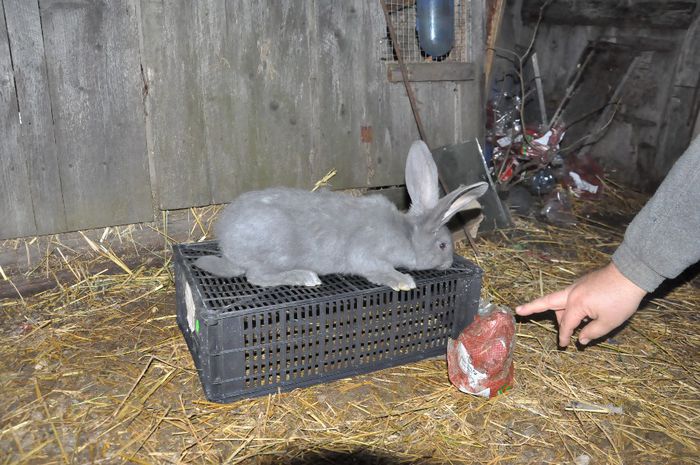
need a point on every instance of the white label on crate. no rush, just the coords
(189, 303)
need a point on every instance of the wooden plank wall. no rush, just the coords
(244, 95)
(130, 106)
(652, 125)
(228, 97)
(79, 154)
(92, 57)
(658, 92)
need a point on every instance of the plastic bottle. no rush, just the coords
(542, 182)
(435, 24)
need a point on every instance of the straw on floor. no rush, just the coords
(96, 371)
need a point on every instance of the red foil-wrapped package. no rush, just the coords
(480, 360)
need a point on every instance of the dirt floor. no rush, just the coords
(96, 371)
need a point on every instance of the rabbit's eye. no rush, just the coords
(442, 246)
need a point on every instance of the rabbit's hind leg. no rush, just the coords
(218, 266)
(268, 278)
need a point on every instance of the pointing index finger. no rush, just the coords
(554, 301)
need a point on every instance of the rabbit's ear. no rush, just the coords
(421, 178)
(456, 201)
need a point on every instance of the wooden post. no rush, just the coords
(494, 27)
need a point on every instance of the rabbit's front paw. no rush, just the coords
(395, 280)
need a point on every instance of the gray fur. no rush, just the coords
(283, 236)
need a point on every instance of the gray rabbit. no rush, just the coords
(283, 236)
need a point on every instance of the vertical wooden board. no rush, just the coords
(220, 71)
(16, 208)
(257, 107)
(283, 105)
(365, 122)
(401, 130)
(37, 141)
(644, 98)
(680, 115)
(558, 50)
(450, 111)
(470, 110)
(171, 57)
(267, 132)
(440, 111)
(472, 94)
(95, 82)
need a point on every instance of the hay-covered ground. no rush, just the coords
(96, 371)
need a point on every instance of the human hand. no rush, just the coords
(605, 296)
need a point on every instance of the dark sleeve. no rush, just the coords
(664, 238)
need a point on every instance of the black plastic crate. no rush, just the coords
(248, 341)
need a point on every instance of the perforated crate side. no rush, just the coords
(287, 337)
(201, 334)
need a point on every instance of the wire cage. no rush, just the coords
(402, 14)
